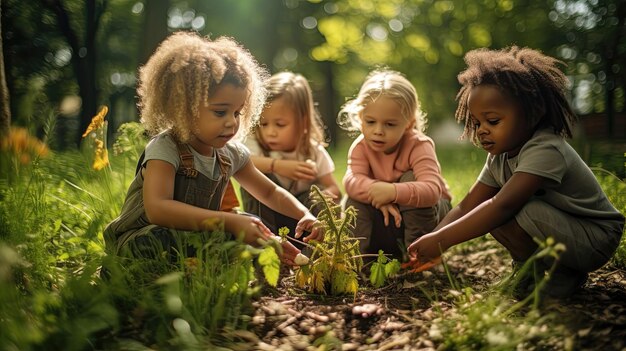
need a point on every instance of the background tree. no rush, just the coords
(83, 51)
(5, 111)
(333, 43)
(596, 48)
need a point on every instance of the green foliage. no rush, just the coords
(335, 261)
(489, 322)
(382, 269)
(268, 259)
(51, 222)
(615, 189)
(130, 142)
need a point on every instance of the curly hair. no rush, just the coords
(296, 92)
(530, 77)
(182, 74)
(386, 83)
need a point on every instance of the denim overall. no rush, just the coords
(272, 219)
(132, 235)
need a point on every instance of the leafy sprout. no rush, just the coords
(335, 260)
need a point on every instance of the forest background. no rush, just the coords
(63, 59)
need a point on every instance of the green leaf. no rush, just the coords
(283, 232)
(377, 275)
(381, 257)
(270, 262)
(392, 268)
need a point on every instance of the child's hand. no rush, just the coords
(284, 249)
(427, 247)
(289, 253)
(381, 193)
(391, 210)
(296, 170)
(331, 194)
(310, 224)
(252, 228)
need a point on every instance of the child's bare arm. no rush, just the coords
(162, 209)
(262, 163)
(278, 199)
(486, 216)
(270, 194)
(477, 194)
(329, 185)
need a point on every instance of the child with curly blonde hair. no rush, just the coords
(289, 147)
(533, 185)
(196, 95)
(393, 172)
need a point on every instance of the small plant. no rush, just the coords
(382, 269)
(335, 261)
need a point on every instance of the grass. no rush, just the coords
(54, 207)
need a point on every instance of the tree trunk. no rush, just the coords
(5, 111)
(154, 28)
(83, 56)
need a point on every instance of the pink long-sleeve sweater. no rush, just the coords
(416, 152)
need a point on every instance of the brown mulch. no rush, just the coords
(399, 316)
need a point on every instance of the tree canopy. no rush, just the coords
(65, 58)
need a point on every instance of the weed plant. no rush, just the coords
(335, 261)
(494, 321)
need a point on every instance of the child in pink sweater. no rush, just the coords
(393, 177)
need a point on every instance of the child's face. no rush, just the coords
(279, 126)
(499, 120)
(219, 121)
(383, 124)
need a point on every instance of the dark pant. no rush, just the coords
(370, 226)
(272, 219)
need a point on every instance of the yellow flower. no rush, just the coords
(192, 264)
(97, 121)
(101, 158)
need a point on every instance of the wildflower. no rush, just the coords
(22, 146)
(98, 127)
(97, 122)
(191, 264)
(101, 158)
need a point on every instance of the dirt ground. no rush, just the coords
(400, 315)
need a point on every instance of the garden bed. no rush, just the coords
(410, 312)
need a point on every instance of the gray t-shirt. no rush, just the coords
(571, 188)
(163, 147)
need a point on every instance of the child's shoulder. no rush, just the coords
(162, 140)
(546, 139)
(236, 147)
(415, 138)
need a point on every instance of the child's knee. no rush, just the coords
(407, 176)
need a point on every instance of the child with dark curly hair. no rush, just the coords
(533, 185)
(196, 95)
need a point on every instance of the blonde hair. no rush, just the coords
(183, 73)
(389, 84)
(296, 92)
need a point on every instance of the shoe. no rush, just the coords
(564, 282)
(522, 279)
